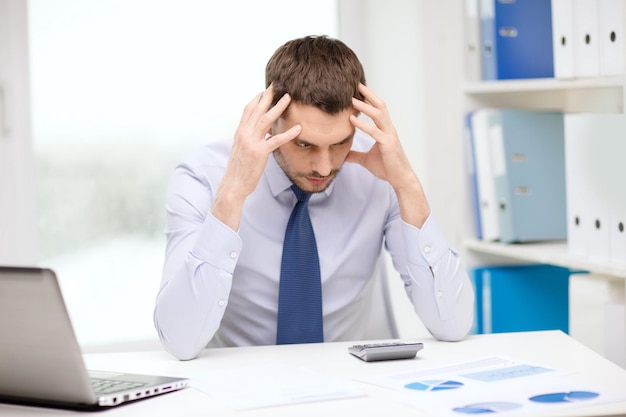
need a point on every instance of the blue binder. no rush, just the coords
(472, 181)
(516, 39)
(520, 298)
(529, 172)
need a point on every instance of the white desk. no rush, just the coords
(551, 348)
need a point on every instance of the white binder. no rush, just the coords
(617, 204)
(611, 31)
(617, 229)
(484, 174)
(594, 148)
(472, 42)
(563, 38)
(576, 185)
(586, 38)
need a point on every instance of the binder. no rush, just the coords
(529, 170)
(470, 165)
(480, 122)
(472, 41)
(563, 38)
(595, 150)
(516, 298)
(617, 230)
(586, 38)
(616, 149)
(611, 33)
(486, 13)
(576, 185)
(517, 39)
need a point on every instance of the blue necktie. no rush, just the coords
(300, 293)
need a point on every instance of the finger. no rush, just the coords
(364, 107)
(274, 142)
(370, 96)
(271, 115)
(264, 101)
(249, 109)
(258, 106)
(378, 114)
(368, 128)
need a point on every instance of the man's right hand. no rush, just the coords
(252, 145)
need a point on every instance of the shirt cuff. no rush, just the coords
(218, 245)
(430, 240)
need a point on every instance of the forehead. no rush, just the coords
(319, 127)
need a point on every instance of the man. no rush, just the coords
(229, 206)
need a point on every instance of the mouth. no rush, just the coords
(317, 181)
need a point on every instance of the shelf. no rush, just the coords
(585, 95)
(554, 252)
(543, 84)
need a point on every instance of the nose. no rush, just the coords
(323, 163)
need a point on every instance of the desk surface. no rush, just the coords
(549, 348)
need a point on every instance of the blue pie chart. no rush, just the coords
(564, 397)
(434, 385)
(486, 408)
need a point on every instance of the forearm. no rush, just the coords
(414, 208)
(439, 288)
(196, 286)
(189, 309)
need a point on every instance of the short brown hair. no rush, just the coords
(317, 71)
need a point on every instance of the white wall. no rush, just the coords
(17, 201)
(115, 110)
(411, 51)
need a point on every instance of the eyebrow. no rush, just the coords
(306, 142)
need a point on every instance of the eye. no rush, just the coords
(342, 143)
(302, 145)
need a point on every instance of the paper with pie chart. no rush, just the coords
(434, 385)
(493, 385)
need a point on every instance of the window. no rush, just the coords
(121, 91)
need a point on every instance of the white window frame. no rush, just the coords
(18, 222)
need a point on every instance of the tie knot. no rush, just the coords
(301, 195)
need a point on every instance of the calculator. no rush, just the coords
(386, 351)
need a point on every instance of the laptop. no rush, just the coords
(41, 362)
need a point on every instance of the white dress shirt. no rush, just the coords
(220, 286)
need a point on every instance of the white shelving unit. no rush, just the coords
(589, 95)
(553, 252)
(596, 95)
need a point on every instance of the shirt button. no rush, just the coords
(233, 255)
(426, 249)
(439, 294)
(221, 303)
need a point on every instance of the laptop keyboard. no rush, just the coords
(110, 386)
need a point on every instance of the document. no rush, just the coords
(494, 384)
(271, 385)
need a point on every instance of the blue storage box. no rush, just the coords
(517, 298)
